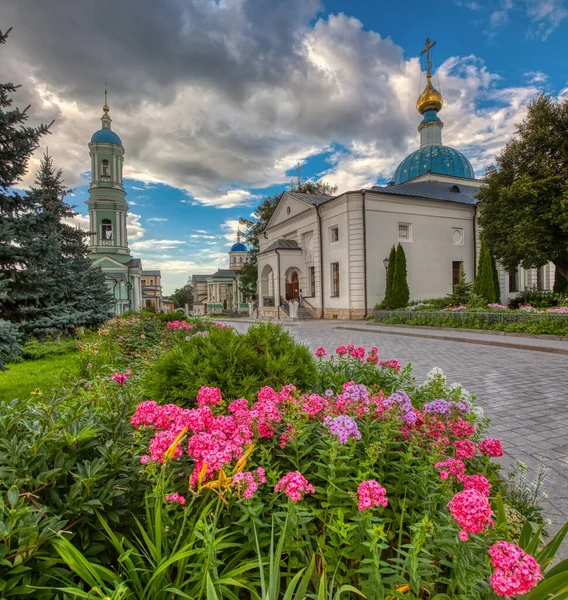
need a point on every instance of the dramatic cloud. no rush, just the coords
(155, 244)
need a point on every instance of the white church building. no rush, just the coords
(329, 250)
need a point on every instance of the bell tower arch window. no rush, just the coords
(106, 229)
(105, 168)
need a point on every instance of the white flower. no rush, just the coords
(436, 373)
(477, 411)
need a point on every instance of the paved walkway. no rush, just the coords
(523, 391)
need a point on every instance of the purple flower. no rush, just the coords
(329, 393)
(401, 398)
(343, 427)
(440, 407)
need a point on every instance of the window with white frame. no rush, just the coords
(404, 232)
(335, 279)
(334, 234)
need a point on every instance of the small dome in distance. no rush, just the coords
(238, 247)
(106, 136)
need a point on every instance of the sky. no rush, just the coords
(217, 101)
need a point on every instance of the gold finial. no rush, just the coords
(430, 98)
(105, 107)
(238, 236)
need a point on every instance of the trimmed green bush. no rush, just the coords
(495, 278)
(400, 294)
(484, 285)
(238, 364)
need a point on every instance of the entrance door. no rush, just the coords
(295, 286)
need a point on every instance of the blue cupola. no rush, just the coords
(432, 156)
(105, 135)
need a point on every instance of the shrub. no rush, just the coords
(236, 363)
(61, 459)
(9, 338)
(400, 293)
(35, 349)
(461, 293)
(484, 285)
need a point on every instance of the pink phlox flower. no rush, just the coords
(208, 396)
(294, 485)
(343, 427)
(453, 467)
(146, 413)
(175, 498)
(465, 449)
(471, 510)
(320, 352)
(516, 572)
(144, 459)
(461, 429)
(120, 378)
(161, 442)
(490, 447)
(261, 475)
(314, 405)
(371, 494)
(477, 482)
(341, 350)
(391, 364)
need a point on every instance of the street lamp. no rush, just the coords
(386, 263)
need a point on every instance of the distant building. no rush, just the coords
(108, 212)
(152, 297)
(220, 292)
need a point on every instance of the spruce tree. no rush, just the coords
(462, 291)
(390, 276)
(484, 283)
(400, 294)
(18, 212)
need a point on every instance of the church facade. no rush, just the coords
(328, 251)
(108, 211)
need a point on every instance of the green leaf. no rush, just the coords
(13, 495)
(549, 551)
(211, 593)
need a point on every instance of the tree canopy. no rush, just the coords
(183, 296)
(524, 202)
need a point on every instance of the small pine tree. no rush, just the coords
(496, 285)
(390, 276)
(484, 283)
(462, 291)
(400, 294)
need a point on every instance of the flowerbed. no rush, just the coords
(354, 481)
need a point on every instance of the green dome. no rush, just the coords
(441, 160)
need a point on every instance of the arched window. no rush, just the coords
(106, 170)
(240, 259)
(106, 229)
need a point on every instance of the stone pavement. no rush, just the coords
(523, 391)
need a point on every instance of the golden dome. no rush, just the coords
(430, 98)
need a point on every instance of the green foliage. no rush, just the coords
(496, 285)
(399, 292)
(183, 296)
(390, 277)
(9, 347)
(524, 214)
(236, 363)
(484, 285)
(560, 284)
(35, 349)
(61, 458)
(247, 279)
(536, 298)
(462, 291)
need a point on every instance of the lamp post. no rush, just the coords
(386, 263)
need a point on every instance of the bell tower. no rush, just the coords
(107, 203)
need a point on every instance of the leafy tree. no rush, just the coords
(463, 290)
(399, 294)
(484, 285)
(264, 211)
(183, 296)
(560, 283)
(524, 202)
(390, 276)
(248, 278)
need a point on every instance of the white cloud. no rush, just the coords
(155, 244)
(231, 226)
(228, 199)
(546, 15)
(157, 219)
(203, 236)
(535, 77)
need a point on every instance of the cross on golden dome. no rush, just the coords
(105, 107)
(430, 98)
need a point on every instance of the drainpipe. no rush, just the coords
(321, 261)
(363, 208)
(474, 242)
(278, 282)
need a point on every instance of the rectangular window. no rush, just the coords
(456, 265)
(540, 279)
(335, 280)
(312, 289)
(514, 281)
(334, 234)
(404, 232)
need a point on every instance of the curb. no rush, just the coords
(449, 338)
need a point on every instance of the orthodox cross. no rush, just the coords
(426, 51)
(238, 236)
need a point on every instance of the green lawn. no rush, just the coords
(44, 374)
